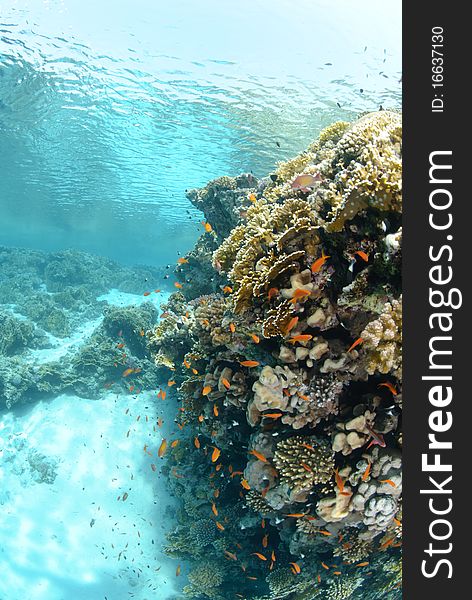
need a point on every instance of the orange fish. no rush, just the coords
(127, 372)
(174, 443)
(300, 338)
(339, 481)
(194, 371)
(227, 289)
(170, 383)
(206, 322)
(272, 292)
(252, 198)
(259, 555)
(336, 572)
(298, 294)
(295, 568)
(265, 541)
(389, 386)
(363, 255)
(255, 338)
(219, 525)
(162, 448)
(291, 325)
(201, 418)
(245, 484)
(215, 410)
(366, 472)
(272, 556)
(226, 383)
(295, 515)
(386, 544)
(363, 564)
(305, 182)
(147, 294)
(325, 566)
(119, 346)
(272, 415)
(178, 285)
(214, 510)
(206, 390)
(356, 343)
(307, 468)
(263, 523)
(324, 532)
(157, 291)
(177, 571)
(207, 227)
(318, 264)
(318, 577)
(216, 493)
(234, 473)
(232, 327)
(397, 522)
(186, 364)
(258, 455)
(231, 556)
(215, 454)
(389, 481)
(182, 261)
(249, 363)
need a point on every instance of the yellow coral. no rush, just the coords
(383, 340)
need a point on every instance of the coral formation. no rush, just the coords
(289, 374)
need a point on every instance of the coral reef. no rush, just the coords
(289, 375)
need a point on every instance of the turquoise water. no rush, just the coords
(109, 113)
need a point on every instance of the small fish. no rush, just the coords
(355, 344)
(127, 372)
(251, 577)
(186, 364)
(265, 541)
(272, 556)
(226, 383)
(230, 556)
(304, 183)
(272, 415)
(194, 371)
(216, 493)
(291, 325)
(178, 285)
(160, 422)
(336, 572)
(366, 472)
(177, 571)
(339, 481)
(319, 262)
(389, 386)
(363, 564)
(174, 443)
(252, 198)
(295, 515)
(207, 227)
(170, 383)
(249, 363)
(258, 455)
(234, 473)
(259, 555)
(318, 578)
(214, 510)
(162, 448)
(255, 338)
(232, 327)
(389, 481)
(206, 390)
(295, 568)
(300, 338)
(387, 543)
(397, 522)
(182, 261)
(153, 467)
(245, 484)
(215, 454)
(147, 294)
(227, 289)
(272, 292)
(215, 410)
(324, 532)
(363, 255)
(298, 294)
(325, 566)
(263, 523)
(219, 525)
(125, 496)
(308, 446)
(157, 291)
(377, 439)
(307, 467)
(201, 418)
(196, 442)
(119, 346)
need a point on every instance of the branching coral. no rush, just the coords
(383, 339)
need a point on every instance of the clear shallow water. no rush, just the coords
(109, 113)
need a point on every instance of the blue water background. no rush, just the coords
(109, 111)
